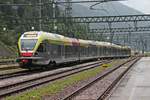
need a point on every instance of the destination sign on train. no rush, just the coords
(30, 35)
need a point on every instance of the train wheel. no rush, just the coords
(52, 64)
(44, 67)
(21, 65)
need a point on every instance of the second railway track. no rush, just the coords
(7, 61)
(88, 90)
(8, 67)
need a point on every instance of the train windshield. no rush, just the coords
(28, 44)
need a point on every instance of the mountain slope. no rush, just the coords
(106, 9)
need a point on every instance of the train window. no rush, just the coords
(90, 51)
(56, 50)
(100, 50)
(93, 50)
(86, 51)
(68, 51)
(83, 51)
(59, 50)
(28, 44)
(75, 51)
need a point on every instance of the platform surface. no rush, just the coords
(136, 84)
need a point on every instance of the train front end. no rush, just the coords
(27, 46)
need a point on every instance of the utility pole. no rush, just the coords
(40, 15)
(54, 6)
(129, 36)
(111, 33)
(68, 13)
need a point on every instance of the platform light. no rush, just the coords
(107, 37)
(4, 28)
(32, 27)
(55, 27)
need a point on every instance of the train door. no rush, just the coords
(41, 51)
(56, 52)
(63, 53)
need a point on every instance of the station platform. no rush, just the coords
(136, 84)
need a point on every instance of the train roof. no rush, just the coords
(60, 39)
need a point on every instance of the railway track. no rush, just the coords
(93, 86)
(7, 61)
(26, 72)
(21, 83)
(8, 64)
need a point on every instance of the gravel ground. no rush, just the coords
(100, 87)
(93, 92)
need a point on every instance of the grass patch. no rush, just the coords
(56, 86)
(147, 54)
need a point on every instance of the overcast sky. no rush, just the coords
(141, 5)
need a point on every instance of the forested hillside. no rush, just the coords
(17, 19)
(13, 19)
